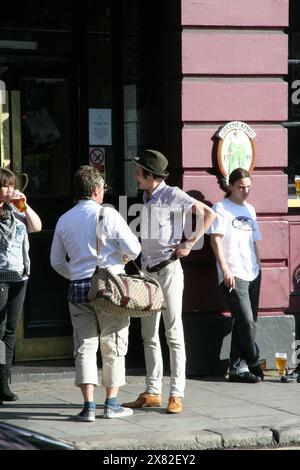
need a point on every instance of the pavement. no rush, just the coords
(217, 414)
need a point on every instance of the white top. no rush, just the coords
(76, 236)
(238, 225)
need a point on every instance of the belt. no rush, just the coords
(161, 265)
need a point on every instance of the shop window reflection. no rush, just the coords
(45, 136)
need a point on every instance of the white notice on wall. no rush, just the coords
(99, 126)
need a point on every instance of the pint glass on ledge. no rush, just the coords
(297, 186)
(280, 359)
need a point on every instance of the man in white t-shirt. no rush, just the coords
(234, 234)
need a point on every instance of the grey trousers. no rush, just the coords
(88, 328)
(243, 304)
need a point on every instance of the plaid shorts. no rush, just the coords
(78, 291)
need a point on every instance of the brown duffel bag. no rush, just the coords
(132, 296)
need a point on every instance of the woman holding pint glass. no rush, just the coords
(16, 219)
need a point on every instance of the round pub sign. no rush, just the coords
(236, 148)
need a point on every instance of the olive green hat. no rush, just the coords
(153, 161)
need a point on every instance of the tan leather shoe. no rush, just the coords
(174, 405)
(145, 400)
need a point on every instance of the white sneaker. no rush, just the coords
(117, 412)
(86, 415)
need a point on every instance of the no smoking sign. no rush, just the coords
(97, 158)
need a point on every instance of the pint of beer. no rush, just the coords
(280, 359)
(297, 186)
(20, 204)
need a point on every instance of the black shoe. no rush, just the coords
(8, 396)
(244, 377)
(257, 370)
(5, 392)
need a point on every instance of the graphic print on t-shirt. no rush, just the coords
(243, 223)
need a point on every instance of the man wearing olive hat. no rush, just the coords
(162, 227)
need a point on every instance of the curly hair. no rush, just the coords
(85, 181)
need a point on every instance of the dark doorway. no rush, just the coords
(64, 64)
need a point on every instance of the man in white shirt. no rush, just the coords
(234, 234)
(75, 238)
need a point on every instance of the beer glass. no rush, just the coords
(19, 203)
(297, 186)
(280, 359)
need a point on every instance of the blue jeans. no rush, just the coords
(12, 295)
(243, 304)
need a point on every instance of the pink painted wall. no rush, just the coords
(197, 142)
(275, 289)
(264, 197)
(234, 52)
(294, 232)
(294, 262)
(277, 231)
(231, 66)
(229, 99)
(268, 13)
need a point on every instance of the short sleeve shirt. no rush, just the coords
(162, 223)
(239, 227)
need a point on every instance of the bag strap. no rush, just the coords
(137, 268)
(99, 229)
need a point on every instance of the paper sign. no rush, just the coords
(99, 126)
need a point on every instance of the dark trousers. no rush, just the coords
(243, 304)
(12, 295)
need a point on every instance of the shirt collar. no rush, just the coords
(155, 193)
(87, 201)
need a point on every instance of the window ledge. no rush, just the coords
(293, 202)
